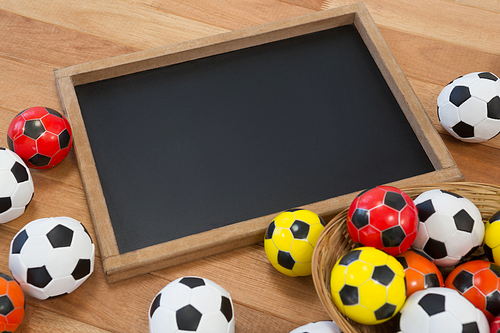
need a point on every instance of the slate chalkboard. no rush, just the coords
(216, 140)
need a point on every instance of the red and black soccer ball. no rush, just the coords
(383, 217)
(41, 136)
(495, 325)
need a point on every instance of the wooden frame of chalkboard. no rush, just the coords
(81, 87)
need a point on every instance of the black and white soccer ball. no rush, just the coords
(318, 327)
(51, 256)
(450, 227)
(16, 186)
(469, 107)
(192, 304)
(440, 310)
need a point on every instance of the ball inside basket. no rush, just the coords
(334, 242)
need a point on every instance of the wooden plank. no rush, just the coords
(479, 29)
(136, 26)
(489, 5)
(313, 4)
(6, 235)
(229, 14)
(54, 46)
(40, 320)
(478, 162)
(434, 61)
(25, 85)
(254, 320)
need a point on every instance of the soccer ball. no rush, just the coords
(479, 282)
(51, 256)
(290, 240)
(192, 304)
(440, 310)
(318, 327)
(383, 217)
(469, 107)
(495, 325)
(16, 186)
(450, 227)
(420, 272)
(41, 136)
(11, 304)
(368, 285)
(491, 244)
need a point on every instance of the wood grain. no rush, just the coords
(137, 25)
(230, 14)
(433, 41)
(40, 320)
(440, 20)
(55, 46)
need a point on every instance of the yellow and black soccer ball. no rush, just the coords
(491, 244)
(368, 285)
(290, 240)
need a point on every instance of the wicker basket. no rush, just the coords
(334, 242)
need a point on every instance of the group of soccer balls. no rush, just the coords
(50, 256)
(406, 248)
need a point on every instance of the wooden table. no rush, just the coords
(434, 42)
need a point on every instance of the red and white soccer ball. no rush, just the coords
(42, 137)
(469, 107)
(383, 217)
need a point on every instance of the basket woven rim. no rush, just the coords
(334, 242)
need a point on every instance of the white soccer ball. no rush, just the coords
(318, 327)
(16, 186)
(51, 256)
(450, 227)
(469, 107)
(440, 310)
(192, 304)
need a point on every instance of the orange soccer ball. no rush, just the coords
(11, 304)
(420, 272)
(479, 282)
